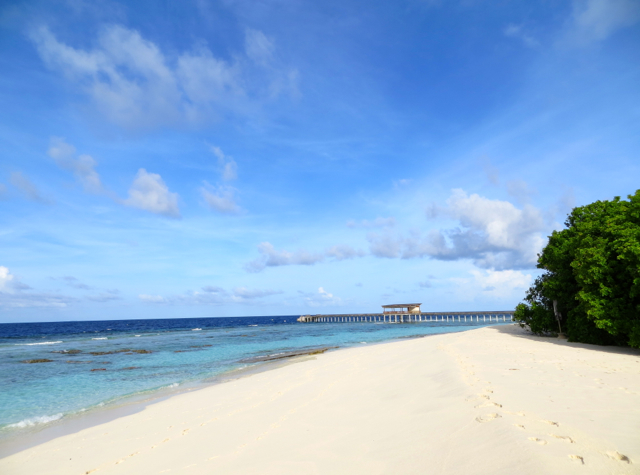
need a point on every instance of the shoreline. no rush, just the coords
(72, 423)
(128, 405)
(518, 402)
(22, 439)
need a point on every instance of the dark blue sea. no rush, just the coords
(100, 364)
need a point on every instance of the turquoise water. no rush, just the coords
(101, 364)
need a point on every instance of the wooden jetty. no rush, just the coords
(410, 313)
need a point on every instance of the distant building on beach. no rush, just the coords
(401, 308)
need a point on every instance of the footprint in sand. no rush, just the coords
(550, 423)
(488, 417)
(519, 425)
(563, 438)
(577, 458)
(488, 404)
(618, 456)
(538, 441)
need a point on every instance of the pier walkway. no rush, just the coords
(411, 317)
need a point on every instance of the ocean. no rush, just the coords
(96, 365)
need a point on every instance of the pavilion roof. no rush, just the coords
(395, 305)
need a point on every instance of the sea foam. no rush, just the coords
(35, 421)
(39, 343)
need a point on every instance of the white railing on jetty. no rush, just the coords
(403, 317)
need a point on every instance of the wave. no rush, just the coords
(196, 329)
(40, 343)
(35, 421)
(103, 338)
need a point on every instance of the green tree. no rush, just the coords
(593, 271)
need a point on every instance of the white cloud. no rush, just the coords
(136, 85)
(5, 278)
(15, 294)
(321, 298)
(229, 167)
(243, 293)
(493, 233)
(342, 252)
(221, 199)
(83, 167)
(270, 257)
(385, 244)
(152, 298)
(595, 20)
(208, 82)
(492, 284)
(150, 193)
(212, 295)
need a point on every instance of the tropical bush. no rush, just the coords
(592, 271)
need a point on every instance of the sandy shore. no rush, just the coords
(487, 401)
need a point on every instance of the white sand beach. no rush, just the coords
(486, 401)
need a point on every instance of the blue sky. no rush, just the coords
(226, 158)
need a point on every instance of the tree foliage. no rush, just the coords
(593, 271)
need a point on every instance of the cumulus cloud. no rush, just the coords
(271, 257)
(493, 284)
(136, 85)
(82, 167)
(220, 199)
(28, 189)
(150, 193)
(493, 233)
(595, 20)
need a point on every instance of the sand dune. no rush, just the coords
(487, 401)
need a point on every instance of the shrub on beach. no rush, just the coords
(593, 273)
